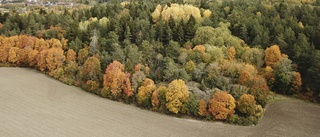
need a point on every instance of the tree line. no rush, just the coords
(215, 60)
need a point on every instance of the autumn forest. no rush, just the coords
(212, 60)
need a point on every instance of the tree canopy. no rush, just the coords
(175, 56)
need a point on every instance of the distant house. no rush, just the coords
(32, 1)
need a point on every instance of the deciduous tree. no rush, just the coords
(55, 58)
(272, 55)
(190, 66)
(259, 89)
(32, 57)
(202, 108)
(159, 97)
(41, 60)
(296, 83)
(137, 78)
(268, 74)
(91, 69)
(176, 11)
(253, 56)
(71, 55)
(83, 55)
(13, 55)
(222, 105)
(207, 13)
(177, 95)
(246, 104)
(245, 78)
(231, 53)
(116, 81)
(4, 53)
(145, 92)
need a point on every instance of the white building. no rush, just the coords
(32, 1)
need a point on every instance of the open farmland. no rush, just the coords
(33, 104)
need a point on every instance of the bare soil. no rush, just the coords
(33, 104)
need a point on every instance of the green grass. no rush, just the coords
(273, 97)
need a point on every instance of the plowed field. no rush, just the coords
(33, 104)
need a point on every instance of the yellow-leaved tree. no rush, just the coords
(145, 92)
(222, 105)
(13, 55)
(207, 13)
(246, 104)
(272, 55)
(176, 95)
(156, 14)
(177, 12)
(190, 66)
(200, 48)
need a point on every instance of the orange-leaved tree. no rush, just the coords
(231, 53)
(176, 95)
(296, 83)
(222, 105)
(202, 108)
(248, 72)
(155, 98)
(116, 81)
(71, 55)
(32, 57)
(4, 53)
(23, 57)
(41, 60)
(244, 78)
(55, 58)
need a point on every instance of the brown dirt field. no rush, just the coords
(33, 104)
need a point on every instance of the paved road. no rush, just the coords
(33, 104)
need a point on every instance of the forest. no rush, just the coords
(210, 59)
